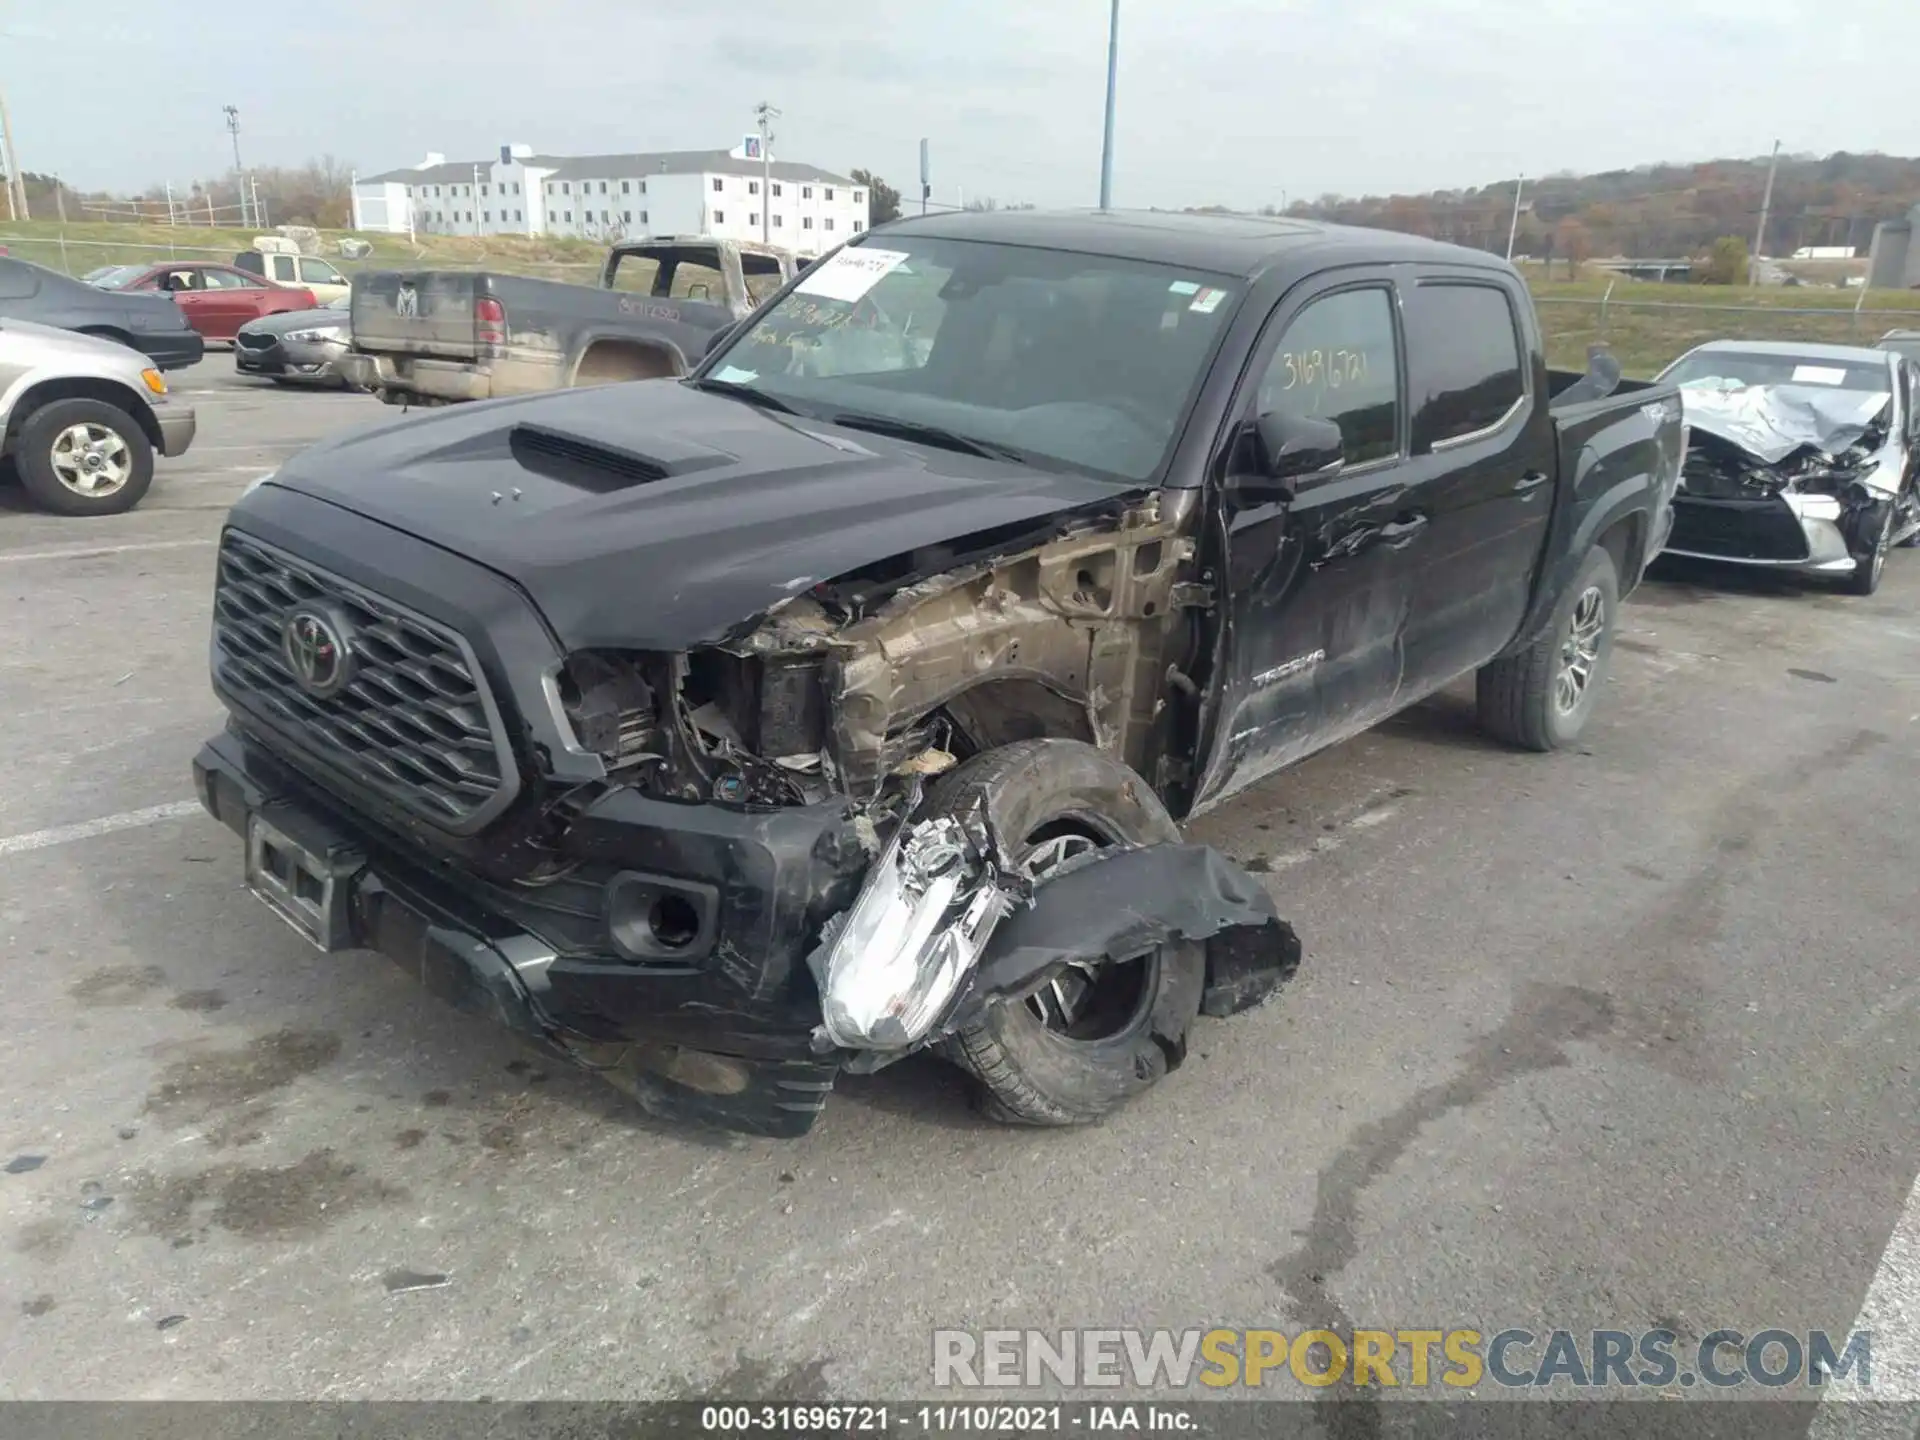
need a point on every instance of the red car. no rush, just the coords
(216, 299)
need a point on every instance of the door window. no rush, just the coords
(1468, 374)
(319, 272)
(1339, 360)
(282, 267)
(225, 280)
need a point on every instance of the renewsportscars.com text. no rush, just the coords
(1457, 1358)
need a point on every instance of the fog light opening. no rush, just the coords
(674, 922)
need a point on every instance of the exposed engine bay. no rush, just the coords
(1751, 442)
(867, 688)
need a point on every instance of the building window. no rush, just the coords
(776, 222)
(827, 224)
(516, 187)
(776, 189)
(753, 187)
(806, 222)
(858, 226)
(549, 187)
(409, 192)
(643, 217)
(626, 217)
(719, 217)
(626, 187)
(858, 198)
(487, 215)
(569, 217)
(516, 214)
(603, 187)
(566, 188)
(718, 184)
(603, 217)
(827, 194)
(484, 189)
(643, 187)
(440, 217)
(806, 192)
(753, 218)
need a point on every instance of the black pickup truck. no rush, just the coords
(432, 337)
(840, 700)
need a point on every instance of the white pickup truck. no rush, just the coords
(278, 259)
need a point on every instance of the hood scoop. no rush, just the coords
(600, 468)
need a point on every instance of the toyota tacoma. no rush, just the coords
(841, 700)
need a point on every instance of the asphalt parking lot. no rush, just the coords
(1620, 1038)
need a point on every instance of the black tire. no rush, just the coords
(1030, 1072)
(33, 455)
(1867, 573)
(1518, 695)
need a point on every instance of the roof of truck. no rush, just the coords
(1243, 245)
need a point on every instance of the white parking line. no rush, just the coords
(87, 552)
(1891, 1314)
(105, 825)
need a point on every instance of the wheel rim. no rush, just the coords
(1083, 1003)
(1580, 655)
(91, 459)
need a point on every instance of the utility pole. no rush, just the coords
(16, 183)
(1513, 231)
(765, 115)
(926, 176)
(239, 174)
(1766, 204)
(1113, 69)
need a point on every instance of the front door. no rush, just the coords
(1318, 588)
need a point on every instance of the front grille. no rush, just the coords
(413, 723)
(1738, 529)
(256, 342)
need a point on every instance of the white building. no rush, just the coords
(614, 197)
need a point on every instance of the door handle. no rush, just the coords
(1530, 481)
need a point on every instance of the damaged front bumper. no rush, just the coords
(1813, 534)
(726, 1026)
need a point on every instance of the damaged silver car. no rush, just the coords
(1801, 457)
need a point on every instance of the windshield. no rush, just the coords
(1079, 360)
(116, 276)
(1907, 345)
(1728, 369)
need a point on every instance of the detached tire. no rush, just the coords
(1092, 1039)
(1542, 698)
(83, 457)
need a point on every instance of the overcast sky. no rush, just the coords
(1227, 101)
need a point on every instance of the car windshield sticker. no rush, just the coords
(1182, 287)
(734, 375)
(1208, 301)
(1818, 375)
(850, 274)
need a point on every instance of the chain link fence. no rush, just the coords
(1646, 335)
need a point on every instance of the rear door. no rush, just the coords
(1318, 589)
(225, 301)
(1481, 457)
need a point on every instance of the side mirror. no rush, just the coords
(1285, 449)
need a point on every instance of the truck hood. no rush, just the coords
(652, 516)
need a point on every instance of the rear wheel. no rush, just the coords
(83, 457)
(1095, 1035)
(1542, 698)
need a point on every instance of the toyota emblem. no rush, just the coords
(317, 650)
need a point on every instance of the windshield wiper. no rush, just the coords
(752, 394)
(928, 435)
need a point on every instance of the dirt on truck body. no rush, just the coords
(841, 700)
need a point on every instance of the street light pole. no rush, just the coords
(239, 173)
(1106, 146)
(766, 115)
(1513, 232)
(1766, 204)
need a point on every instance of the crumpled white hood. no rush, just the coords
(1771, 422)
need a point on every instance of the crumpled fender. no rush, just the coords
(1115, 904)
